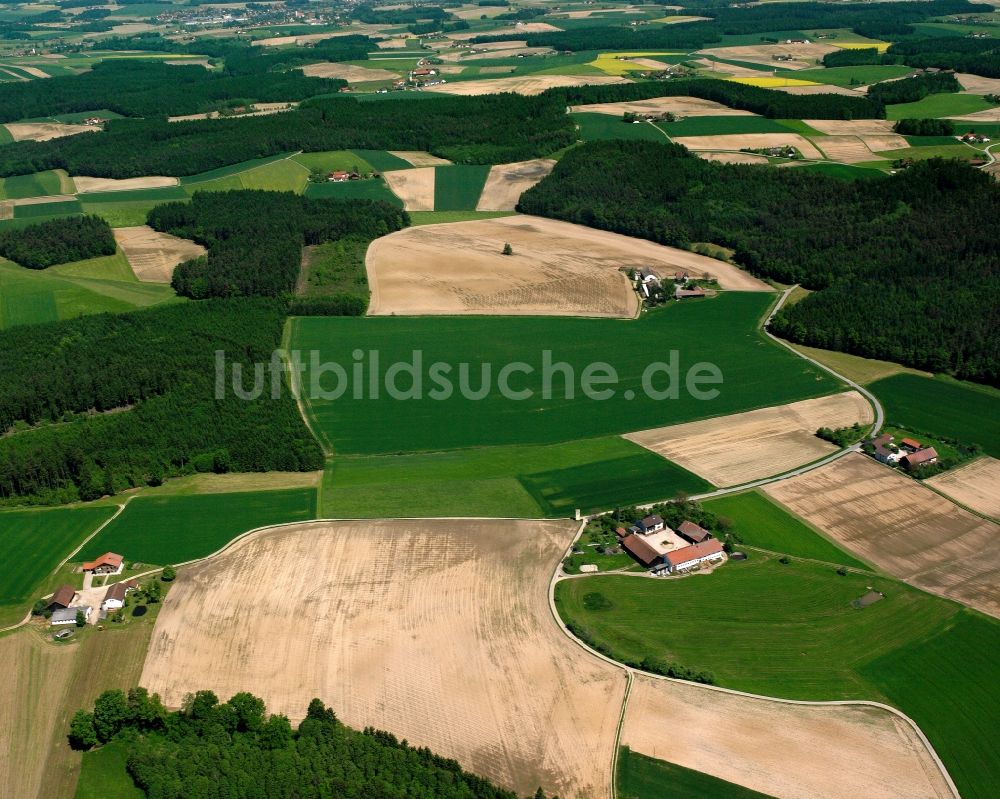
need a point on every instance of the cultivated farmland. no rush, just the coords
(389, 623)
(415, 187)
(349, 72)
(85, 184)
(681, 106)
(45, 131)
(737, 141)
(901, 526)
(507, 182)
(460, 268)
(154, 255)
(522, 84)
(457, 188)
(730, 450)
(791, 751)
(420, 158)
(976, 485)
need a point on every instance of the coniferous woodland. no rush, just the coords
(914, 88)
(99, 404)
(477, 130)
(58, 241)
(905, 268)
(255, 238)
(237, 750)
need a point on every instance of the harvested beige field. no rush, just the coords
(735, 449)
(511, 30)
(154, 255)
(901, 527)
(507, 182)
(737, 141)
(280, 41)
(681, 106)
(349, 72)
(419, 158)
(734, 70)
(975, 485)
(415, 187)
(35, 72)
(784, 750)
(805, 55)
(848, 149)
(36, 676)
(851, 127)
(507, 53)
(886, 141)
(527, 84)
(46, 131)
(458, 268)
(85, 184)
(6, 209)
(735, 158)
(817, 89)
(438, 631)
(44, 199)
(977, 84)
(395, 44)
(496, 70)
(989, 115)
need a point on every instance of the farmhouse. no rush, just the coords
(922, 457)
(62, 598)
(650, 524)
(693, 532)
(68, 615)
(338, 177)
(114, 598)
(885, 450)
(108, 563)
(688, 558)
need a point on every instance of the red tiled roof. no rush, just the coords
(107, 559)
(686, 554)
(921, 456)
(911, 443)
(640, 548)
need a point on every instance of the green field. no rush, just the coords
(281, 175)
(232, 169)
(953, 150)
(791, 631)
(457, 188)
(510, 481)
(717, 126)
(121, 214)
(39, 184)
(332, 161)
(159, 195)
(5, 137)
(442, 217)
(962, 411)
(381, 160)
(37, 211)
(938, 105)
(353, 190)
(596, 127)
(762, 523)
(98, 285)
(103, 774)
(854, 76)
(36, 540)
(174, 529)
(641, 777)
(844, 171)
(755, 373)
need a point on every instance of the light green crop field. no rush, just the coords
(121, 214)
(104, 774)
(158, 195)
(39, 184)
(854, 76)
(174, 529)
(353, 190)
(938, 105)
(36, 541)
(232, 169)
(755, 373)
(791, 631)
(37, 211)
(332, 161)
(959, 151)
(641, 777)
(457, 188)
(596, 127)
(283, 175)
(762, 523)
(510, 481)
(965, 412)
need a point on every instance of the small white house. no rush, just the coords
(114, 598)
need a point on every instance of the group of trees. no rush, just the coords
(914, 88)
(958, 53)
(58, 241)
(255, 238)
(236, 749)
(924, 127)
(905, 269)
(489, 129)
(136, 395)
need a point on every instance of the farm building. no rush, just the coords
(885, 450)
(922, 457)
(650, 524)
(108, 563)
(114, 598)
(685, 294)
(62, 598)
(693, 532)
(688, 558)
(910, 444)
(640, 548)
(68, 615)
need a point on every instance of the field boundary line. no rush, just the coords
(296, 389)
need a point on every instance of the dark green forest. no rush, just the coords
(58, 241)
(905, 268)
(914, 88)
(491, 129)
(236, 750)
(959, 53)
(99, 404)
(924, 127)
(255, 238)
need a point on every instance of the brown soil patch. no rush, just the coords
(153, 255)
(438, 631)
(46, 131)
(849, 149)
(902, 527)
(977, 84)
(507, 182)
(458, 268)
(805, 55)
(85, 184)
(730, 450)
(650, 63)
(784, 750)
(527, 84)
(737, 141)
(682, 106)
(419, 158)
(735, 158)
(975, 485)
(415, 187)
(845, 127)
(886, 141)
(989, 115)
(349, 72)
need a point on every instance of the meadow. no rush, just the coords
(755, 372)
(927, 656)
(511, 481)
(854, 76)
(353, 190)
(641, 777)
(36, 212)
(962, 411)
(36, 540)
(284, 174)
(161, 194)
(174, 529)
(382, 160)
(762, 523)
(333, 160)
(39, 184)
(938, 105)
(232, 170)
(595, 127)
(717, 126)
(457, 187)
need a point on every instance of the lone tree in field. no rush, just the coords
(169, 573)
(507, 249)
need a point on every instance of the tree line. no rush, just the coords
(479, 130)
(903, 268)
(236, 749)
(914, 88)
(58, 241)
(959, 53)
(100, 404)
(255, 238)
